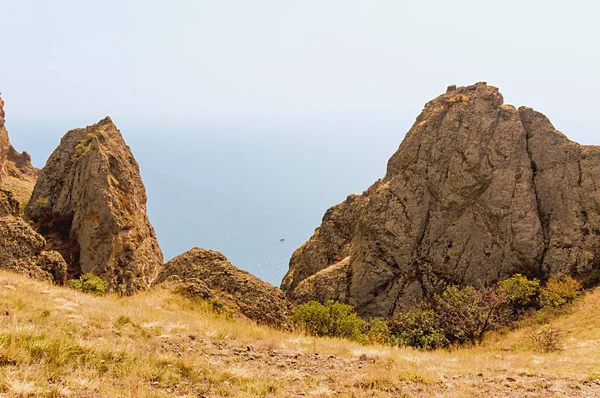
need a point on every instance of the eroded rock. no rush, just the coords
(22, 249)
(16, 171)
(89, 202)
(476, 192)
(209, 273)
(4, 142)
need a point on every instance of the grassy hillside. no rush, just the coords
(55, 342)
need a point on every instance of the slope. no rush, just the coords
(55, 342)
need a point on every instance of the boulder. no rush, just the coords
(476, 192)
(209, 274)
(89, 203)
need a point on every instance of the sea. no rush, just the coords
(254, 192)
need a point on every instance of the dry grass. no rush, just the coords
(56, 342)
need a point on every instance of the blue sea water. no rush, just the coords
(254, 194)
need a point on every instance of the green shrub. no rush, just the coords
(89, 283)
(465, 314)
(548, 340)
(378, 331)
(559, 291)
(521, 293)
(419, 328)
(330, 319)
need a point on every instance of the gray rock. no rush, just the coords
(476, 192)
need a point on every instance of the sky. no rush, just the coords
(250, 118)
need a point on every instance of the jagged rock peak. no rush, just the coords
(16, 171)
(476, 192)
(90, 204)
(210, 273)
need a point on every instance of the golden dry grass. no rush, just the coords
(56, 342)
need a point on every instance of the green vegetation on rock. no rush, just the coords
(83, 145)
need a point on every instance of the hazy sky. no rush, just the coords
(215, 96)
(231, 62)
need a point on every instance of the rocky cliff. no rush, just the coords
(208, 273)
(4, 143)
(89, 202)
(477, 191)
(16, 172)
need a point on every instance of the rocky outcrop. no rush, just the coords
(208, 273)
(566, 177)
(4, 143)
(476, 192)
(16, 171)
(89, 202)
(22, 249)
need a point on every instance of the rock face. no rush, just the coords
(22, 249)
(16, 172)
(476, 192)
(211, 274)
(4, 143)
(89, 202)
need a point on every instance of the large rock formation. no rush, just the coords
(210, 274)
(476, 192)
(16, 172)
(89, 202)
(22, 249)
(4, 143)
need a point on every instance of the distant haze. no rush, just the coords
(250, 118)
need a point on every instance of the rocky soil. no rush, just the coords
(299, 371)
(477, 191)
(69, 344)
